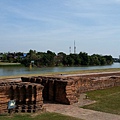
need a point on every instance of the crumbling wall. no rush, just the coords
(66, 90)
(84, 84)
(28, 96)
(55, 89)
(29, 93)
(4, 90)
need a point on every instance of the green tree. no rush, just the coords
(94, 59)
(109, 59)
(65, 61)
(103, 61)
(4, 58)
(85, 59)
(76, 58)
(58, 59)
(70, 60)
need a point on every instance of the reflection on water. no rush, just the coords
(9, 71)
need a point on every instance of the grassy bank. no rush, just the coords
(107, 100)
(2, 64)
(44, 116)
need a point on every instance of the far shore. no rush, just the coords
(112, 70)
(4, 64)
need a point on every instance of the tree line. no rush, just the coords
(49, 58)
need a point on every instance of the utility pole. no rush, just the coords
(74, 48)
(70, 50)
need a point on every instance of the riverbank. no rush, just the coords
(3, 64)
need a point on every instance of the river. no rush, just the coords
(10, 71)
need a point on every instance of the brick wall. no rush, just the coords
(28, 96)
(31, 91)
(66, 90)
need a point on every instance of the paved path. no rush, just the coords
(75, 111)
(94, 73)
(85, 114)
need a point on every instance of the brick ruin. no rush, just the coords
(28, 96)
(31, 92)
(67, 89)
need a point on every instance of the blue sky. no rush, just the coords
(53, 25)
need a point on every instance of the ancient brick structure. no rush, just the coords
(66, 89)
(30, 92)
(28, 96)
(55, 89)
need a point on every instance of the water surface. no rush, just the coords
(10, 71)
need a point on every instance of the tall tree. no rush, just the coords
(85, 60)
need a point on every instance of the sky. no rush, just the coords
(54, 25)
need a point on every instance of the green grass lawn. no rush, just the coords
(107, 100)
(43, 116)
